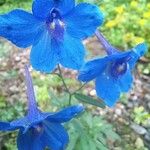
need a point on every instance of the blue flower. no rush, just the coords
(55, 29)
(113, 72)
(38, 130)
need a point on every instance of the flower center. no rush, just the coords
(55, 24)
(37, 129)
(118, 68)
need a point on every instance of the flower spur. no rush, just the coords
(38, 130)
(112, 72)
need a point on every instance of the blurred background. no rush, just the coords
(124, 127)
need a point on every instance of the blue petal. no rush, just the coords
(66, 114)
(43, 56)
(42, 8)
(125, 81)
(4, 126)
(72, 53)
(20, 27)
(83, 20)
(141, 49)
(54, 136)
(20, 123)
(119, 55)
(29, 141)
(65, 6)
(107, 89)
(29, 121)
(136, 53)
(92, 69)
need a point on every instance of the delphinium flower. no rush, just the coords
(113, 73)
(38, 130)
(55, 29)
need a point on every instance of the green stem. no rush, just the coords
(65, 85)
(70, 97)
(80, 88)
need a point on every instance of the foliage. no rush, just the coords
(8, 113)
(140, 115)
(7, 5)
(144, 68)
(91, 132)
(120, 22)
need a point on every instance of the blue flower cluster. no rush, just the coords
(38, 130)
(112, 72)
(55, 30)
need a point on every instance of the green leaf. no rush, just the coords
(84, 143)
(89, 100)
(73, 141)
(91, 143)
(101, 146)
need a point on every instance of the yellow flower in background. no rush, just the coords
(128, 37)
(120, 18)
(111, 23)
(119, 9)
(146, 14)
(134, 4)
(148, 5)
(138, 40)
(142, 22)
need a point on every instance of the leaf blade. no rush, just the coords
(89, 100)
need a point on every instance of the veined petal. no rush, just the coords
(107, 89)
(71, 53)
(20, 27)
(83, 20)
(92, 69)
(125, 81)
(28, 121)
(65, 6)
(42, 8)
(29, 141)
(43, 56)
(54, 136)
(136, 53)
(66, 114)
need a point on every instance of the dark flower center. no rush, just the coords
(118, 68)
(55, 14)
(55, 24)
(37, 129)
